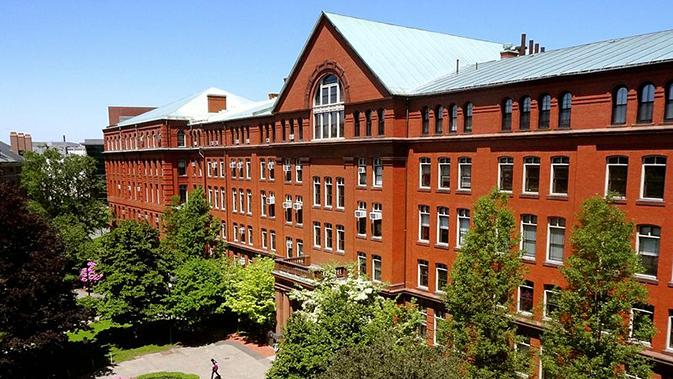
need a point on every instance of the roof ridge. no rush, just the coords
(601, 41)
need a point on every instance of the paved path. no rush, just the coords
(235, 358)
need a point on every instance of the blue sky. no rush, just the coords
(63, 62)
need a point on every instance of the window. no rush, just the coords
(528, 236)
(300, 243)
(271, 200)
(443, 226)
(264, 239)
(356, 124)
(653, 178)
(564, 111)
(507, 115)
(288, 247)
(362, 172)
(362, 265)
(545, 110)
(647, 245)
(524, 113)
(619, 103)
(646, 103)
(328, 192)
(298, 210)
(377, 220)
(341, 238)
(287, 208)
(234, 200)
(181, 138)
(425, 116)
(642, 316)
(262, 209)
(669, 336)
(381, 122)
(525, 303)
(250, 235)
(439, 119)
(298, 173)
(444, 175)
(248, 201)
(453, 118)
(441, 277)
(232, 165)
(556, 239)
(559, 175)
(531, 175)
(262, 169)
(272, 171)
(361, 221)
(523, 347)
(467, 123)
(424, 173)
(328, 109)
(239, 165)
(340, 193)
(183, 193)
(182, 167)
(222, 169)
(328, 236)
(424, 223)
(505, 174)
(463, 226)
(287, 171)
(247, 168)
(235, 232)
(378, 173)
(423, 274)
(316, 191)
(616, 171)
(551, 294)
(465, 173)
(241, 199)
(376, 268)
(316, 234)
(223, 199)
(668, 112)
(272, 240)
(368, 123)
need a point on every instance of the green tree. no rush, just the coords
(254, 294)
(589, 335)
(334, 315)
(36, 306)
(484, 277)
(134, 282)
(190, 229)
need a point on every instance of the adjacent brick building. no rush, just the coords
(383, 137)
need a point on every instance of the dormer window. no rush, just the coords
(328, 109)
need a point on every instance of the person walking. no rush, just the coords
(214, 374)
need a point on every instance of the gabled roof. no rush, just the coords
(191, 108)
(593, 57)
(256, 109)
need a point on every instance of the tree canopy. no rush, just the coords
(254, 294)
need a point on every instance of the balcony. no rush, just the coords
(301, 267)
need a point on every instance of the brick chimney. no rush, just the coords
(216, 103)
(20, 143)
(14, 142)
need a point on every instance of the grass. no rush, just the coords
(91, 333)
(118, 354)
(168, 375)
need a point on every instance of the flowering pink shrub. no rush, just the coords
(88, 275)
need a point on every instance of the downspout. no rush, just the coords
(406, 191)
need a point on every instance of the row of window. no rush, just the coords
(327, 200)
(376, 264)
(329, 243)
(131, 191)
(139, 140)
(145, 168)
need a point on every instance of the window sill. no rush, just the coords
(561, 197)
(525, 314)
(376, 188)
(377, 239)
(422, 288)
(647, 279)
(361, 236)
(644, 123)
(360, 187)
(618, 200)
(423, 189)
(423, 243)
(529, 195)
(441, 246)
(443, 190)
(464, 192)
(554, 264)
(528, 260)
(650, 202)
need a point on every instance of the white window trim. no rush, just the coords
(669, 348)
(547, 259)
(460, 175)
(638, 236)
(518, 300)
(441, 164)
(340, 189)
(328, 196)
(631, 337)
(458, 218)
(448, 227)
(500, 166)
(374, 260)
(424, 162)
(545, 300)
(377, 162)
(607, 177)
(437, 270)
(420, 222)
(642, 180)
(552, 175)
(418, 275)
(521, 225)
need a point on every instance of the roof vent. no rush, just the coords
(509, 51)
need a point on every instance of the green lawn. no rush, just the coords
(89, 334)
(168, 375)
(120, 355)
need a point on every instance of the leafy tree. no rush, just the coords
(335, 315)
(36, 306)
(389, 357)
(254, 294)
(190, 229)
(484, 277)
(134, 282)
(589, 335)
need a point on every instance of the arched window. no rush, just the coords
(439, 119)
(467, 125)
(668, 115)
(545, 109)
(507, 114)
(646, 103)
(328, 109)
(381, 121)
(356, 124)
(181, 138)
(524, 113)
(564, 111)
(453, 118)
(619, 100)
(425, 116)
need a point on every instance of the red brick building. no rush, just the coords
(383, 137)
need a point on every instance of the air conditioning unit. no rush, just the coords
(268, 140)
(138, 188)
(232, 164)
(298, 205)
(287, 204)
(193, 164)
(196, 143)
(271, 200)
(291, 137)
(360, 213)
(272, 164)
(362, 170)
(286, 167)
(119, 186)
(236, 141)
(374, 216)
(247, 140)
(239, 165)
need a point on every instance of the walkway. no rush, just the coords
(237, 359)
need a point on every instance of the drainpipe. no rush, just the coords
(406, 195)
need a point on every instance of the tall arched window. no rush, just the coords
(646, 103)
(181, 138)
(381, 122)
(467, 125)
(439, 119)
(507, 114)
(425, 118)
(453, 118)
(668, 115)
(619, 100)
(545, 110)
(524, 113)
(564, 110)
(328, 109)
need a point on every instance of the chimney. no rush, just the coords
(542, 49)
(537, 48)
(14, 142)
(530, 46)
(522, 47)
(22, 143)
(29, 142)
(216, 103)
(272, 95)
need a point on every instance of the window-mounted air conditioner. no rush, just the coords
(286, 167)
(298, 205)
(232, 164)
(362, 170)
(272, 164)
(268, 140)
(291, 137)
(271, 200)
(239, 165)
(236, 141)
(287, 204)
(374, 216)
(247, 140)
(360, 213)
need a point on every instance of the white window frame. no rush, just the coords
(444, 163)
(549, 228)
(558, 162)
(329, 232)
(264, 236)
(422, 263)
(329, 192)
(424, 163)
(340, 238)
(272, 240)
(669, 330)
(545, 301)
(316, 191)
(234, 200)
(298, 172)
(248, 168)
(442, 212)
(377, 177)
(656, 163)
(423, 210)
(377, 207)
(363, 207)
(248, 201)
(652, 236)
(518, 298)
(438, 288)
(262, 169)
(528, 220)
(376, 260)
(615, 161)
(340, 193)
(530, 162)
(464, 162)
(502, 162)
(316, 235)
(362, 257)
(262, 200)
(642, 310)
(462, 214)
(362, 176)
